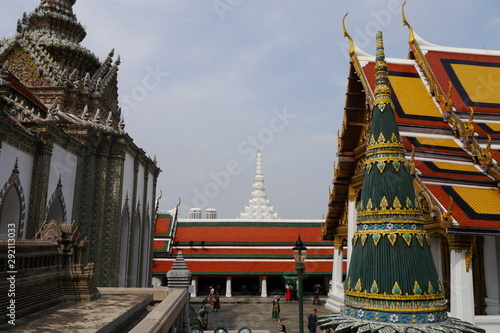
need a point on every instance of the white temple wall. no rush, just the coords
(140, 189)
(8, 155)
(63, 164)
(150, 196)
(128, 179)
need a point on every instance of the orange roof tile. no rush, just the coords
(473, 76)
(450, 170)
(245, 267)
(473, 207)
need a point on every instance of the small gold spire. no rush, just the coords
(346, 34)
(382, 89)
(411, 39)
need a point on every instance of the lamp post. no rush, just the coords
(299, 254)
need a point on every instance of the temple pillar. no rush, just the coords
(228, 286)
(492, 274)
(352, 215)
(39, 183)
(263, 286)
(461, 286)
(194, 286)
(336, 293)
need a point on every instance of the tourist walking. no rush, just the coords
(211, 296)
(276, 308)
(216, 302)
(311, 321)
(288, 292)
(282, 329)
(317, 290)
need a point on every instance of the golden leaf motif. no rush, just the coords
(358, 286)
(383, 203)
(381, 166)
(407, 238)
(369, 204)
(392, 238)
(396, 204)
(409, 204)
(381, 138)
(363, 239)
(394, 139)
(374, 288)
(396, 290)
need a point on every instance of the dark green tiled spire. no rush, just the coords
(392, 284)
(392, 277)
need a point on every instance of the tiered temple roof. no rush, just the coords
(392, 284)
(447, 111)
(45, 54)
(224, 246)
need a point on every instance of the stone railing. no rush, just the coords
(167, 316)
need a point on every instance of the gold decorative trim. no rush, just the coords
(481, 156)
(436, 90)
(460, 128)
(394, 296)
(392, 236)
(446, 217)
(411, 38)
(357, 66)
(412, 309)
(470, 253)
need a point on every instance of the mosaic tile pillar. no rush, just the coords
(39, 184)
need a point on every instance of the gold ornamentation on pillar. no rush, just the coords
(470, 253)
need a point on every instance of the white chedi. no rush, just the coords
(258, 206)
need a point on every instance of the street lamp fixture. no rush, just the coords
(299, 254)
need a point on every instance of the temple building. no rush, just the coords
(446, 118)
(64, 152)
(249, 255)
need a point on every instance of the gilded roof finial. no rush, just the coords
(382, 89)
(411, 39)
(346, 34)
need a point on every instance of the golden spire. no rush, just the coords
(382, 89)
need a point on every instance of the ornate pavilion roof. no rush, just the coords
(392, 284)
(448, 117)
(46, 56)
(235, 246)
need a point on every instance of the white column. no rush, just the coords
(336, 294)
(228, 286)
(194, 286)
(461, 287)
(263, 286)
(351, 227)
(492, 275)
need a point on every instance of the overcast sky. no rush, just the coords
(204, 84)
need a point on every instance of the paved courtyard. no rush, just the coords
(236, 314)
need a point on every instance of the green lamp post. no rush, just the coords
(299, 254)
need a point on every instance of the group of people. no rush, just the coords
(291, 292)
(311, 319)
